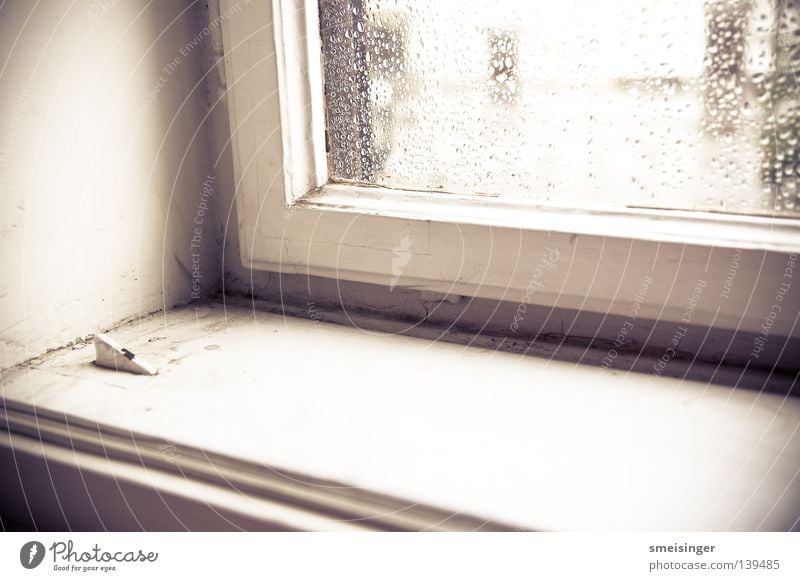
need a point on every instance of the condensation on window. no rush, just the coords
(679, 104)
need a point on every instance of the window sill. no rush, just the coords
(774, 233)
(534, 443)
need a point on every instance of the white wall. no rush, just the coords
(103, 156)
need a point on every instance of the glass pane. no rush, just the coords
(684, 104)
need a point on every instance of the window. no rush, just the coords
(683, 105)
(415, 169)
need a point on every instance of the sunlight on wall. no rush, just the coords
(99, 170)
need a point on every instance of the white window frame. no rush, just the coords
(292, 220)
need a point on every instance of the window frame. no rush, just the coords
(293, 219)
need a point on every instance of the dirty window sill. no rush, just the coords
(534, 443)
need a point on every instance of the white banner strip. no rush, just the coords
(401, 556)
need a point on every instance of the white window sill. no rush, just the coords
(532, 443)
